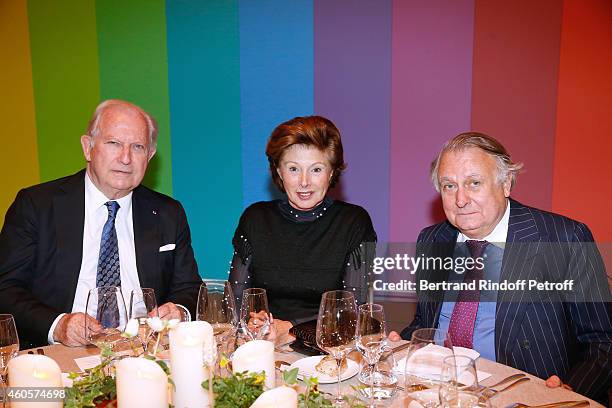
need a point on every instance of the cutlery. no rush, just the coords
(562, 404)
(490, 393)
(400, 347)
(505, 380)
(279, 363)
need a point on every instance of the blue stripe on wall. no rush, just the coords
(276, 78)
(204, 75)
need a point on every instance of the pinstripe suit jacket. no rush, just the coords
(568, 338)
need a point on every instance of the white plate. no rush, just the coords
(307, 365)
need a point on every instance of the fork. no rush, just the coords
(562, 404)
(490, 393)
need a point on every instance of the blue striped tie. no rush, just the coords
(108, 269)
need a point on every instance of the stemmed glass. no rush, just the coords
(423, 366)
(458, 378)
(337, 328)
(106, 305)
(9, 344)
(142, 306)
(217, 306)
(254, 313)
(371, 338)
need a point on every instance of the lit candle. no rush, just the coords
(141, 383)
(279, 397)
(33, 370)
(191, 346)
(254, 357)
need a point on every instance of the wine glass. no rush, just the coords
(423, 365)
(337, 328)
(9, 343)
(254, 314)
(142, 306)
(217, 306)
(371, 338)
(458, 375)
(107, 306)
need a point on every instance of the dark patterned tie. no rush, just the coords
(108, 270)
(461, 327)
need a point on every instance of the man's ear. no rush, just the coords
(151, 154)
(507, 185)
(86, 144)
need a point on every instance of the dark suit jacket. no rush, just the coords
(41, 246)
(567, 337)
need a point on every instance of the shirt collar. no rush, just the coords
(299, 216)
(95, 199)
(499, 233)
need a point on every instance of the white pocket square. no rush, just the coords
(167, 247)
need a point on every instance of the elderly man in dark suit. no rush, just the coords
(564, 334)
(95, 228)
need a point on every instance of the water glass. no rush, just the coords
(9, 343)
(106, 305)
(254, 314)
(337, 329)
(142, 306)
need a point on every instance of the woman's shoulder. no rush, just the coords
(354, 211)
(258, 211)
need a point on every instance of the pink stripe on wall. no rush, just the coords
(431, 80)
(516, 64)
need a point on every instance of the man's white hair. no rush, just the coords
(506, 167)
(93, 129)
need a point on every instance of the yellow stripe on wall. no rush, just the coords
(19, 164)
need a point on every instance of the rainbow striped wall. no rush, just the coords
(398, 77)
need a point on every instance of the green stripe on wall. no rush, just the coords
(133, 67)
(65, 80)
(204, 72)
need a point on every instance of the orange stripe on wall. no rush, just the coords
(582, 168)
(19, 164)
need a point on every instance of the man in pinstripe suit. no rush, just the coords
(567, 335)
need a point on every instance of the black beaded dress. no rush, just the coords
(298, 255)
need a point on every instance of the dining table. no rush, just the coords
(531, 393)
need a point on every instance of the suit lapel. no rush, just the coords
(522, 244)
(146, 237)
(69, 208)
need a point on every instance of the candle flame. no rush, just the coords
(191, 341)
(144, 374)
(42, 375)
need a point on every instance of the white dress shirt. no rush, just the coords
(96, 214)
(499, 233)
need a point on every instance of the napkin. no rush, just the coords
(279, 397)
(427, 362)
(88, 362)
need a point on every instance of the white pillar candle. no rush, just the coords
(190, 344)
(33, 370)
(279, 397)
(141, 383)
(254, 357)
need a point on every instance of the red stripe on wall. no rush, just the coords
(516, 61)
(584, 124)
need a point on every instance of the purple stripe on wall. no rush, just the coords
(352, 88)
(431, 98)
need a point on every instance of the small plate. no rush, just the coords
(307, 365)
